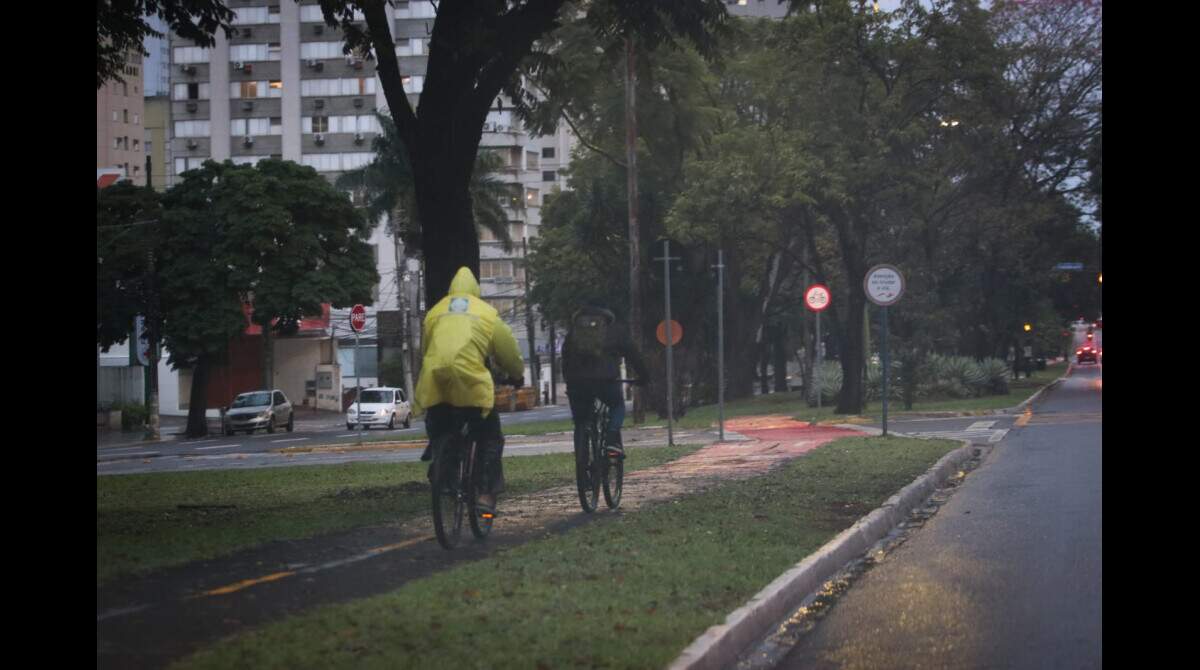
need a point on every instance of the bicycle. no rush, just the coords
(595, 466)
(456, 482)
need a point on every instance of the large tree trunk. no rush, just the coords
(448, 237)
(197, 422)
(850, 398)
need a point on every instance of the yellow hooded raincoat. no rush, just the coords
(459, 334)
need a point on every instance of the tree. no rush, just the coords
(475, 51)
(297, 242)
(127, 219)
(121, 27)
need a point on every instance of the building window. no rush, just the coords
(547, 152)
(320, 124)
(273, 51)
(318, 50)
(190, 55)
(276, 125)
(494, 269)
(192, 129)
(114, 115)
(135, 145)
(247, 89)
(125, 115)
(548, 175)
(190, 163)
(531, 197)
(190, 91)
(531, 160)
(137, 119)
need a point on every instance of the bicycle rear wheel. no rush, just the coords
(480, 526)
(585, 467)
(448, 502)
(611, 470)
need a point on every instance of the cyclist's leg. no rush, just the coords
(610, 394)
(491, 452)
(580, 395)
(439, 420)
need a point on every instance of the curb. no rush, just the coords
(722, 644)
(1031, 399)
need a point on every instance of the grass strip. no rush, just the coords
(630, 591)
(149, 521)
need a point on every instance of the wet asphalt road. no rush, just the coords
(1006, 575)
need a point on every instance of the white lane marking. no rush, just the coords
(294, 439)
(200, 441)
(981, 425)
(118, 612)
(104, 452)
(219, 446)
(998, 435)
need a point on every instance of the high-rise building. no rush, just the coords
(157, 64)
(119, 134)
(282, 87)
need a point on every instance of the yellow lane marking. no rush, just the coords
(1024, 418)
(246, 583)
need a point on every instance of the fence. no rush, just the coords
(119, 384)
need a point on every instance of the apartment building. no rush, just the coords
(281, 87)
(119, 111)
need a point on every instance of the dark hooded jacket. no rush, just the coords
(617, 343)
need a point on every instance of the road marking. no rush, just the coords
(997, 436)
(200, 441)
(981, 425)
(219, 446)
(246, 583)
(294, 439)
(1024, 419)
(118, 612)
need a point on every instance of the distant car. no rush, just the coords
(380, 406)
(1085, 354)
(259, 409)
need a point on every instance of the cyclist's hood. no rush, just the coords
(464, 282)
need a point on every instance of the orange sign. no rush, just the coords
(676, 332)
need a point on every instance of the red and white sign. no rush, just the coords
(817, 297)
(358, 318)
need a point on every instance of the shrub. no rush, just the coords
(830, 383)
(133, 415)
(997, 372)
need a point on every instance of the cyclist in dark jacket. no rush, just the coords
(591, 367)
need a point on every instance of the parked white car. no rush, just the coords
(259, 409)
(382, 406)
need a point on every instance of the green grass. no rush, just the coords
(629, 592)
(149, 521)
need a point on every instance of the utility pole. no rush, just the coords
(635, 253)
(721, 342)
(553, 367)
(402, 295)
(533, 371)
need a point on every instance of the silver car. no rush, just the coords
(383, 406)
(259, 409)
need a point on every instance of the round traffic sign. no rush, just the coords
(676, 332)
(816, 297)
(884, 284)
(358, 318)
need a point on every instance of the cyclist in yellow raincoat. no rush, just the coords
(460, 334)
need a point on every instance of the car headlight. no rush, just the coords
(382, 412)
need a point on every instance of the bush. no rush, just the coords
(997, 373)
(133, 415)
(875, 382)
(830, 383)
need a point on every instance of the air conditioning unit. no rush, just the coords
(187, 69)
(487, 127)
(319, 138)
(318, 29)
(359, 138)
(319, 103)
(191, 107)
(358, 102)
(192, 144)
(315, 64)
(248, 140)
(243, 66)
(247, 105)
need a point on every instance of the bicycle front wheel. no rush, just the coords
(611, 470)
(448, 499)
(480, 526)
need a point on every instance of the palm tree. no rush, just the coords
(386, 183)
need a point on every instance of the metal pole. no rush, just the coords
(820, 359)
(358, 386)
(886, 369)
(670, 378)
(720, 343)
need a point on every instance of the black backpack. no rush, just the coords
(589, 332)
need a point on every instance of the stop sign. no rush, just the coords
(358, 318)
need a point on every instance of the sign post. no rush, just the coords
(884, 285)
(666, 259)
(358, 320)
(816, 298)
(721, 343)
